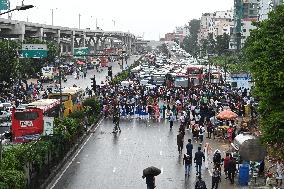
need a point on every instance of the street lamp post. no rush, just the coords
(80, 21)
(52, 11)
(18, 8)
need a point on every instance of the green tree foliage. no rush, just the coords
(264, 51)
(190, 42)
(163, 48)
(222, 44)
(8, 60)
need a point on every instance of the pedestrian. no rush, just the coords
(207, 151)
(150, 181)
(200, 184)
(232, 170)
(180, 142)
(199, 155)
(201, 133)
(189, 147)
(226, 163)
(171, 119)
(187, 162)
(216, 177)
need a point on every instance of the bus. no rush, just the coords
(28, 124)
(71, 97)
(195, 74)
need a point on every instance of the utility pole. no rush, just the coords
(79, 21)
(96, 23)
(52, 17)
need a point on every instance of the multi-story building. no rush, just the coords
(217, 23)
(170, 36)
(245, 11)
(265, 6)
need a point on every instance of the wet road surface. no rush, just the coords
(109, 161)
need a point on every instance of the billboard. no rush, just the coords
(4, 5)
(81, 51)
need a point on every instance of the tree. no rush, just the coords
(264, 50)
(190, 41)
(222, 44)
(8, 61)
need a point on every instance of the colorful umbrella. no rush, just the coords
(227, 115)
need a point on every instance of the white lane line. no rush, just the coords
(162, 170)
(114, 169)
(161, 153)
(119, 152)
(125, 139)
(160, 140)
(60, 176)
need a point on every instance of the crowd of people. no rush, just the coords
(193, 109)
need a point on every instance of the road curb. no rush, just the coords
(54, 173)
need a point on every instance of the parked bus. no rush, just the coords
(71, 98)
(28, 124)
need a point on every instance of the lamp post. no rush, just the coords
(80, 21)
(18, 8)
(52, 10)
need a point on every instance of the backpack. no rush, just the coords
(200, 185)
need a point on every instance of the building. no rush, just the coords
(217, 23)
(170, 36)
(245, 11)
(265, 6)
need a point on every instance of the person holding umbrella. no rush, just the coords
(149, 173)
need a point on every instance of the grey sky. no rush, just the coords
(151, 17)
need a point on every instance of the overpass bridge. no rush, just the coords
(67, 38)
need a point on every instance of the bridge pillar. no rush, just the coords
(20, 29)
(96, 45)
(57, 37)
(83, 40)
(39, 33)
(72, 41)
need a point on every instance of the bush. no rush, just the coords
(94, 104)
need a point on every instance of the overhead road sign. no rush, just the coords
(81, 51)
(34, 51)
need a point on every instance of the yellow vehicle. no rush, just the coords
(71, 98)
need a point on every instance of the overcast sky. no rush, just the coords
(153, 18)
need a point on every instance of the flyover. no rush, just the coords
(67, 38)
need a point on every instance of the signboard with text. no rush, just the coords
(48, 125)
(4, 5)
(81, 51)
(34, 51)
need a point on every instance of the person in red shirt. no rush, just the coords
(226, 162)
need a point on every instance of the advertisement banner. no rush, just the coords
(48, 123)
(4, 5)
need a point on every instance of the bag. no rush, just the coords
(200, 185)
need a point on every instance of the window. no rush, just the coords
(64, 97)
(244, 30)
(26, 116)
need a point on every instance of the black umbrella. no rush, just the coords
(151, 171)
(252, 150)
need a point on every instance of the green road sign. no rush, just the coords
(34, 51)
(4, 4)
(81, 51)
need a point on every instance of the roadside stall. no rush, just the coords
(225, 131)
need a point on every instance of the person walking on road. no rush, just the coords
(232, 170)
(201, 133)
(226, 163)
(180, 142)
(199, 155)
(187, 162)
(189, 148)
(216, 177)
(171, 119)
(200, 184)
(150, 181)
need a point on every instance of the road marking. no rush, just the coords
(210, 172)
(160, 140)
(114, 169)
(60, 176)
(119, 152)
(162, 170)
(78, 162)
(125, 139)
(161, 153)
